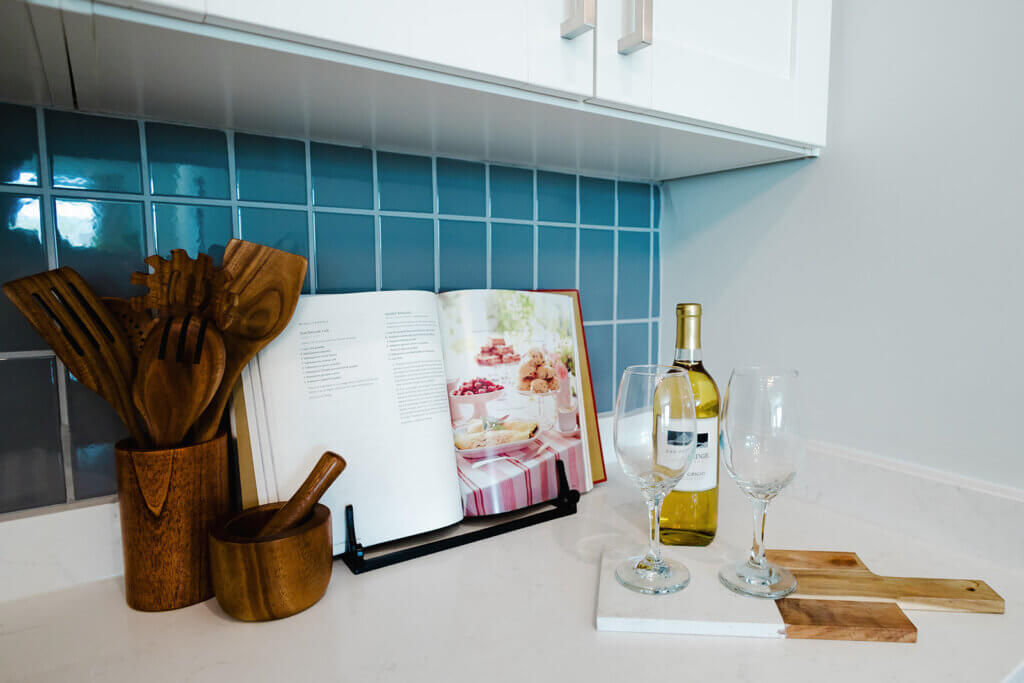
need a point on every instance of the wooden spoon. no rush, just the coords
(263, 288)
(298, 506)
(84, 335)
(180, 368)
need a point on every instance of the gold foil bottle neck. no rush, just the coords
(688, 326)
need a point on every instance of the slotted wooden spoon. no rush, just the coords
(180, 368)
(134, 323)
(84, 335)
(262, 291)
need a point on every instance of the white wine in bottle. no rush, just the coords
(689, 515)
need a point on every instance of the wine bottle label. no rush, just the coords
(703, 473)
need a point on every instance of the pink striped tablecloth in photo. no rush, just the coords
(521, 477)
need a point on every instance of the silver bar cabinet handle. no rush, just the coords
(642, 34)
(582, 19)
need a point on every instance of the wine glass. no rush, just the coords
(761, 447)
(655, 437)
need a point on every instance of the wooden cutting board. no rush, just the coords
(829, 575)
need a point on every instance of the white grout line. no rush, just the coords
(536, 231)
(377, 245)
(487, 215)
(650, 276)
(311, 236)
(615, 296)
(436, 203)
(236, 225)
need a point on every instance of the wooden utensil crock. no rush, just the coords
(170, 500)
(272, 577)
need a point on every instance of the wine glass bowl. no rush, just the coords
(761, 448)
(655, 438)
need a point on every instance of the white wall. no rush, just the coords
(889, 270)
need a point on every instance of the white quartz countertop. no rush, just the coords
(519, 607)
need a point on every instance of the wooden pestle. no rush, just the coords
(298, 506)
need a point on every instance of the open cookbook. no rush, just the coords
(445, 406)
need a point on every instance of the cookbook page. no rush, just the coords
(362, 375)
(511, 360)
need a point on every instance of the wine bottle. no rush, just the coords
(689, 515)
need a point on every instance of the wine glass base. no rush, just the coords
(774, 582)
(668, 577)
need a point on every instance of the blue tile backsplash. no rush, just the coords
(107, 191)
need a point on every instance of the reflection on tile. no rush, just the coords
(511, 192)
(93, 152)
(597, 201)
(405, 182)
(31, 469)
(19, 145)
(634, 205)
(187, 161)
(461, 188)
(407, 253)
(634, 275)
(195, 228)
(657, 206)
(342, 176)
(345, 253)
(655, 358)
(511, 256)
(21, 254)
(597, 270)
(656, 286)
(631, 346)
(556, 258)
(270, 169)
(95, 428)
(599, 351)
(463, 254)
(102, 240)
(278, 228)
(556, 197)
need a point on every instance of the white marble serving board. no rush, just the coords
(705, 607)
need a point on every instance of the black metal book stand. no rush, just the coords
(562, 505)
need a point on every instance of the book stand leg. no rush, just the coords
(354, 557)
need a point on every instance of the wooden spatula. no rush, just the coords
(262, 291)
(134, 324)
(84, 335)
(180, 368)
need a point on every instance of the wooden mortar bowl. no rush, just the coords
(272, 577)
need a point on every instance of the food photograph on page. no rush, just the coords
(514, 390)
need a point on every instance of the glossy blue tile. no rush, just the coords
(511, 192)
(631, 346)
(655, 358)
(19, 145)
(187, 161)
(461, 187)
(597, 273)
(31, 468)
(511, 256)
(93, 152)
(463, 255)
(342, 176)
(21, 254)
(656, 189)
(195, 228)
(407, 253)
(656, 273)
(599, 352)
(103, 241)
(270, 169)
(556, 258)
(278, 228)
(634, 275)
(405, 182)
(95, 428)
(556, 197)
(597, 201)
(634, 205)
(345, 253)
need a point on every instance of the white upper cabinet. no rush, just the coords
(504, 41)
(758, 66)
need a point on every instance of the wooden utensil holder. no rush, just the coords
(258, 579)
(170, 499)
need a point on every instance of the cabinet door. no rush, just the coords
(497, 40)
(753, 65)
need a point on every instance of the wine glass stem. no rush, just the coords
(654, 542)
(757, 550)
